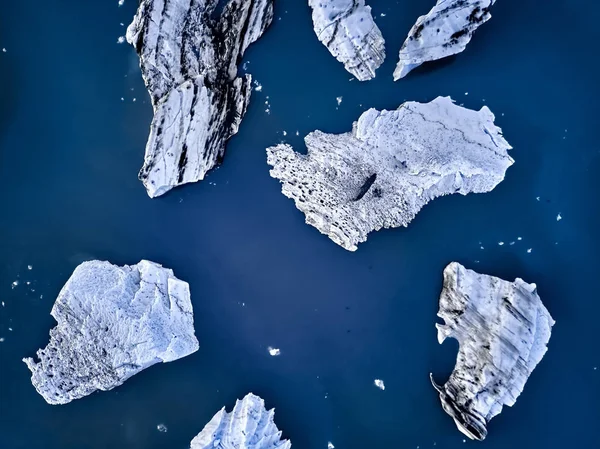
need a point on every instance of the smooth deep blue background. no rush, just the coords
(70, 150)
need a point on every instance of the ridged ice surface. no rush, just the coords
(444, 31)
(113, 322)
(248, 426)
(503, 330)
(189, 52)
(347, 29)
(392, 163)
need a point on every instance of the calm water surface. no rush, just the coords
(70, 150)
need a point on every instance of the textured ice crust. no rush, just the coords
(392, 163)
(503, 330)
(444, 31)
(248, 426)
(113, 322)
(347, 29)
(188, 57)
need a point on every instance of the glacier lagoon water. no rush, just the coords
(70, 149)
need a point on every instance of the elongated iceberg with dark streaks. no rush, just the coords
(392, 163)
(113, 322)
(444, 31)
(347, 29)
(189, 56)
(248, 426)
(503, 330)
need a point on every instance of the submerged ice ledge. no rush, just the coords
(188, 57)
(392, 163)
(503, 330)
(248, 426)
(113, 322)
(444, 31)
(347, 29)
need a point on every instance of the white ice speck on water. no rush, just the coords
(339, 100)
(2, 303)
(121, 39)
(519, 238)
(330, 445)
(466, 93)
(121, 2)
(161, 428)
(14, 284)
(537, 198)
(379, 384)
(501, 243)
(529, 250)
(29, 267)
(1, 339)
(297, 133)
(382, 14)
(274, 352)
(4, 50)
(257, 86)
(558, 217)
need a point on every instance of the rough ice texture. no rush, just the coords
(189, 55)
(392, 163)
(444, 31)
(503, 329)
(113, 322)
(347, 29)
(248, 426)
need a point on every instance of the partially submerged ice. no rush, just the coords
(248, 426)
(392, 163)
(113, 322)
(444, 31)
(503, 330)
(189, 59)
(347, 29)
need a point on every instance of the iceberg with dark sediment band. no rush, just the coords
(347, 29)
(503, 331)
(189, 55)
(444, 31)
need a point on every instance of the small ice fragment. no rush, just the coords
(330, 445)
(501, 243)
(339, 100)
(2, 303)
(134, 99)
(558, 217)
(379, 384)
(481, 247)
(274, 352)
(297, 133)
(519, 238)
(285, 133)
(122, 99)
(466, 93)
(4, 50)
(512, 243)
(29, 267)
(257, 86)
(382, 14)
(10, 329)
(529, 250)
(28, 282)
(161, 428)
(14, 284)
(121, 39)
(121, 2)
(1, 339)
(537, 198)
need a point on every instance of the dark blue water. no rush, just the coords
(70, 150)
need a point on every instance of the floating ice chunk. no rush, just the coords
(15, 284)
(529, 250)
(29, 267)
(121, 39)
(558, 217)
(339, 100)
(379, 384)
(274, 352)
(121, 2)
(162, 428)
(330, 445)
(501, 243)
